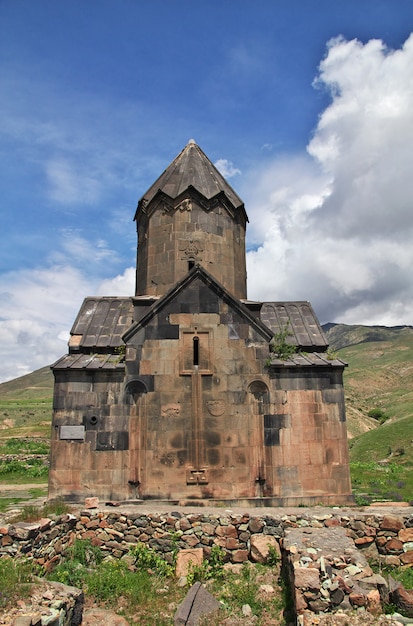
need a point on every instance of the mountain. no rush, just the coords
(26, 405)
(343, 335)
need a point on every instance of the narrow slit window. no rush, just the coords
(196, 351)
(191, 264)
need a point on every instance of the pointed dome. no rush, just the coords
(192, 168)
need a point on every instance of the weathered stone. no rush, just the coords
(393, 523)
(184, 524)
(261, 545)
(403, 599)
(255, 525)
(406, 534)
(23, 531)
(300, 603)
(306, 578)
(187, 559)
(23, 620)
(373, 602)
(357, 599)
(197, 603)
(407, 558)
(336, 596)
(363, 541)
(319, 605)
(226, 531)
(240, 556)
(246, 610)
(92, 503)
(394, 546)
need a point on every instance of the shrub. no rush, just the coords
(210, 569)
(148, 559)
(279, 345)
(378, 414)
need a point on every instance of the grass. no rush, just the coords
(15, 577)
(27, 445)
(14, 471)
(143, 586)
(32, 513)
(389, 472)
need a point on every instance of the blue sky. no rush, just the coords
(306, 106)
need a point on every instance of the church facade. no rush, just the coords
(180, 392)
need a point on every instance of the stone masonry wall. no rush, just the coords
(325, 555)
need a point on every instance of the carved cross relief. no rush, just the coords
(195, 362)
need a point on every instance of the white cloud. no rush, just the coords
(38, 308)
(121, 285)
(69, 184)
(337, 228)
(227, 168)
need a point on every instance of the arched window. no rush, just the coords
(134, 390)
(260, 392)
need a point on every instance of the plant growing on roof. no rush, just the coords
(279, 345)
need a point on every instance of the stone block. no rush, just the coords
(197, 603)
(187, 557)
(307, 578)
(91, 503)
(261, 546)
(407, 558)
(393, 523)
(406, 535)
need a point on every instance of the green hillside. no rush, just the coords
(379, 379)
(26, 405)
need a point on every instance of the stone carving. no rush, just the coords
(171, 410)
(216, 407)
(187, 558)
(191, 249)
(185, 205)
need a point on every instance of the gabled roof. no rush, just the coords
(199, 272)
(101, 323)
(300, 321)
(192, 168)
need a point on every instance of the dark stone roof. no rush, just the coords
(314, 359)
(199, 272)
(90, 362)
(101, 322)
(300, 321)
(192, 168)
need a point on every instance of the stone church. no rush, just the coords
(180, 392)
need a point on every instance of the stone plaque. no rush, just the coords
(72, 432)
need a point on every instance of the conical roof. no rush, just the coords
(192, 168)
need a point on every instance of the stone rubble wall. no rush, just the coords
(322, 580)
(50, 604)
